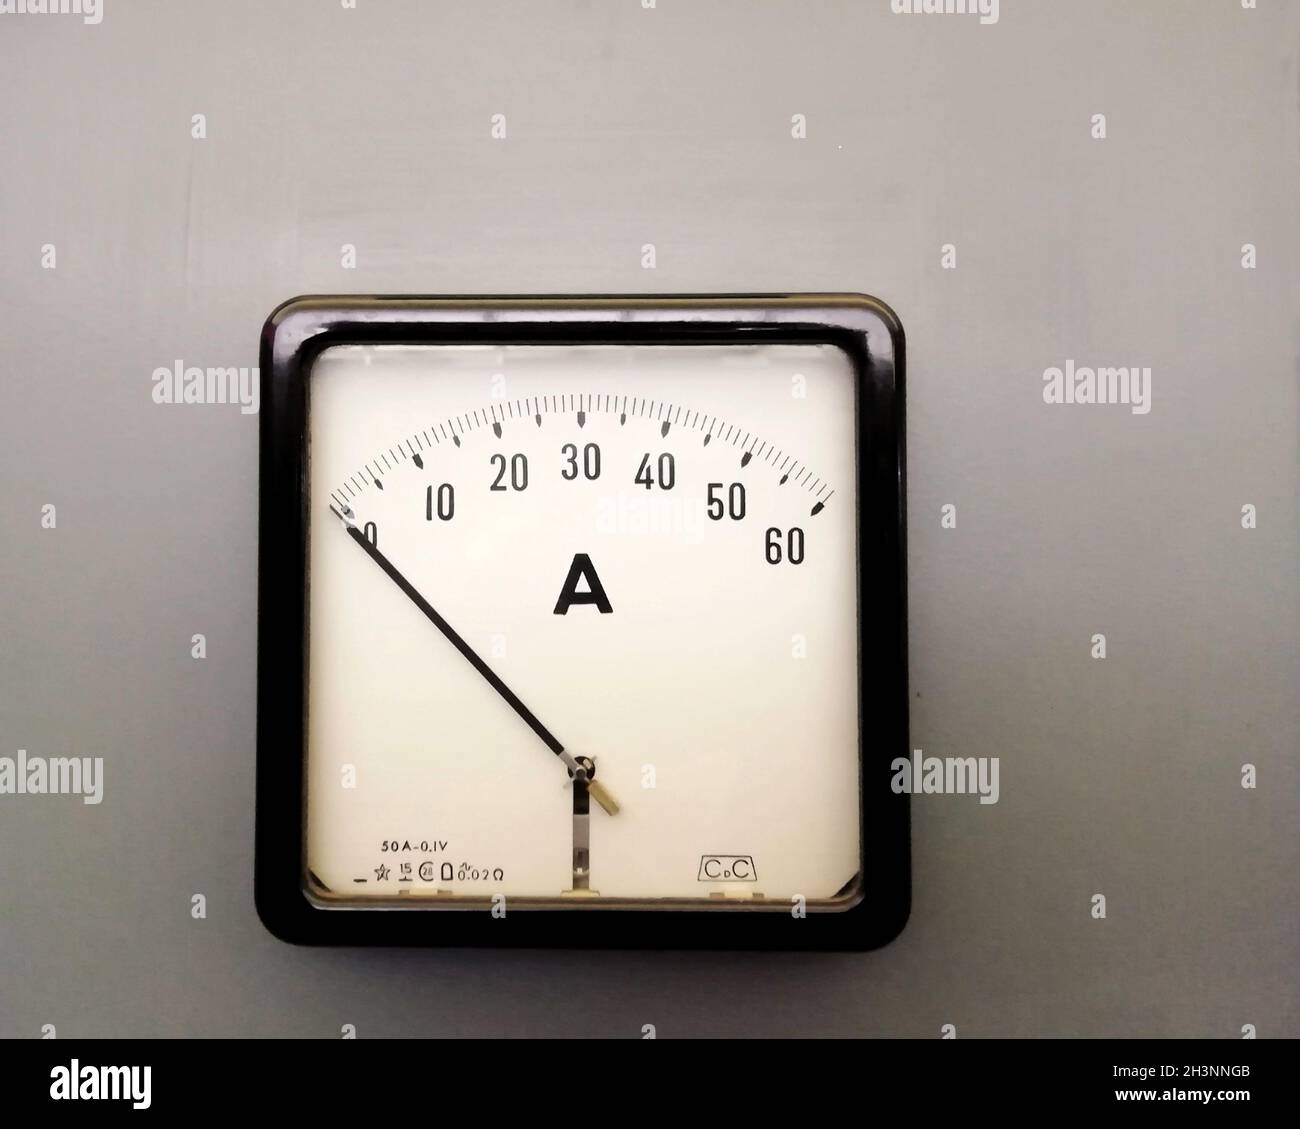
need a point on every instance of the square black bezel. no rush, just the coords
(300, 329)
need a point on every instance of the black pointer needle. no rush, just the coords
(464, 648)
(575, 769)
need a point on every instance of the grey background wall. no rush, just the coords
(673, 126)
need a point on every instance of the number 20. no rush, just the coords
(518, 467)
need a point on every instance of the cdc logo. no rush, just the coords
(727, 868)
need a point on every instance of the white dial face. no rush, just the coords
(583, 625)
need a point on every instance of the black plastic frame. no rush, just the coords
(868, 332)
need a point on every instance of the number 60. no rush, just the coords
(784, 546)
